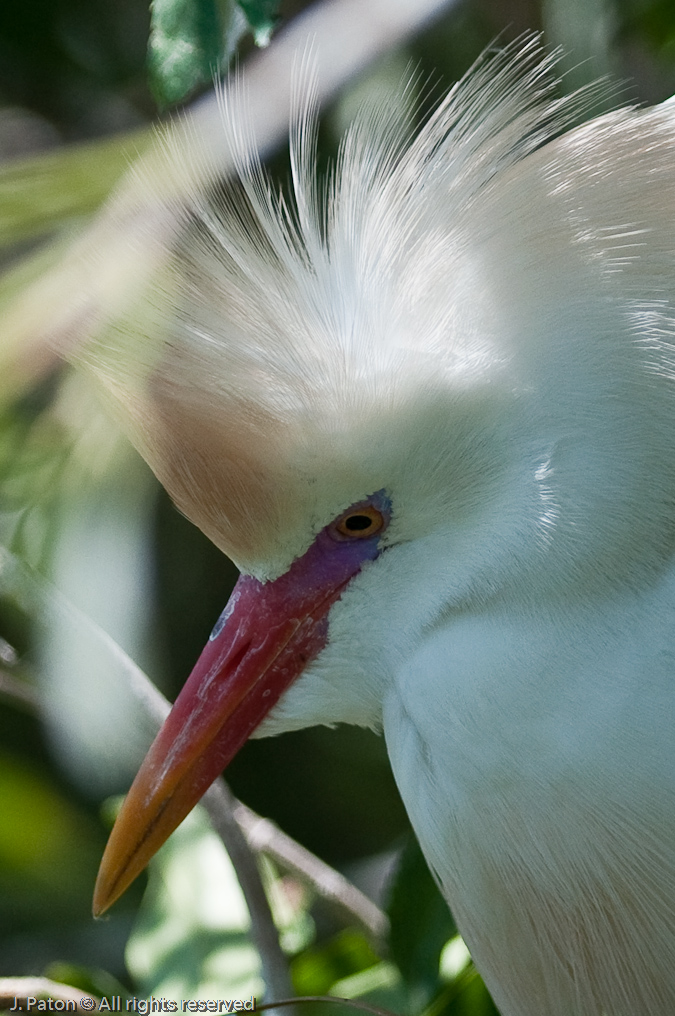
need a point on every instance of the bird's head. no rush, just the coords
(311, 464)
(383, 404)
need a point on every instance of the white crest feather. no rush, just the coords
(260, 292)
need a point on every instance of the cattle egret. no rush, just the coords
(429, 411)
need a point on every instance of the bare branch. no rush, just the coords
(219, 801)
(266, 837)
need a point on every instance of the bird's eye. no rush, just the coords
(359, 523)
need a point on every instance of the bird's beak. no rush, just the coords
(263, 640)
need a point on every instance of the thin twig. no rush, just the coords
(264, 836)
(218, 801)
(17, 990)
(351, 1003)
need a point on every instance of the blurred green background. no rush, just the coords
(81, 511)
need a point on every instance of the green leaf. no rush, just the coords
(192, 936)
(262, 17)
(421, 924)
(316, 969)
(654, 22)
(347, 967)
(380, 985)
(190, 42)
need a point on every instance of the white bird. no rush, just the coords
(431, 416)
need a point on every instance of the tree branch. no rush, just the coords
(264, 836)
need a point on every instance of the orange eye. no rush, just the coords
(359, 523)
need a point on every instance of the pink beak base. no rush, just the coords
(264, 639)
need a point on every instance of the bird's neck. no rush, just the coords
(533, 787)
